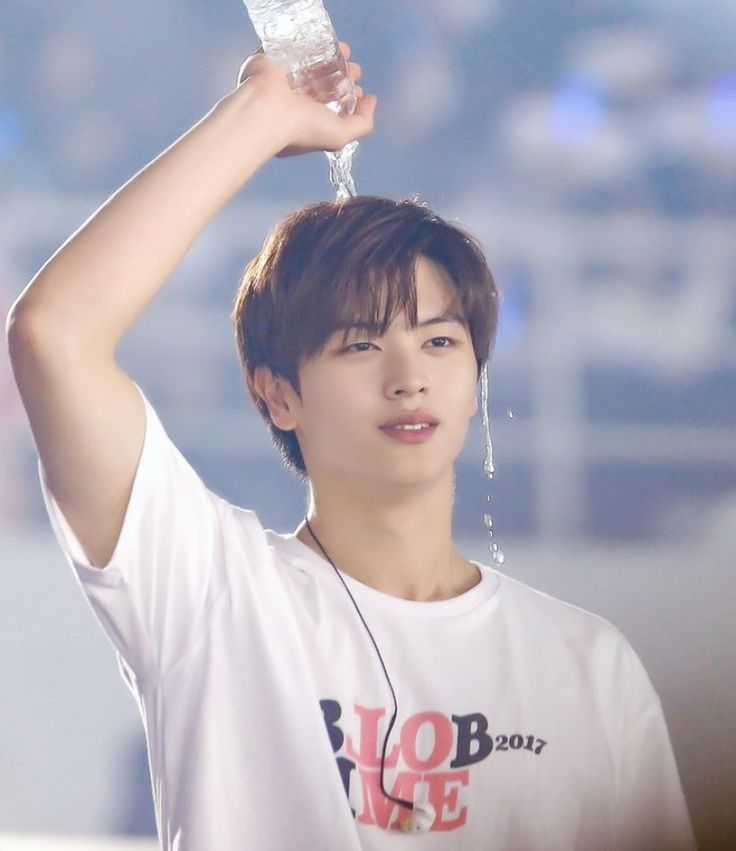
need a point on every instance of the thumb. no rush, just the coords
(250, 63)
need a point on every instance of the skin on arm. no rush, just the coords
(86, 416)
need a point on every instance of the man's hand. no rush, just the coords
(305, 124)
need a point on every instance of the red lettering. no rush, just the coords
(369, 753)
(377, 808)
(444, 788)
(442, 730)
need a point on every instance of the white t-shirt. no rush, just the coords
(528, 724)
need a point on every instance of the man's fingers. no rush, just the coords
(354, 69)
(366, 105)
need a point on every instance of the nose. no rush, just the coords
(405, 376)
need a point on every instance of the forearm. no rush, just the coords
(96, 284)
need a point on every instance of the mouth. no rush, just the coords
(413, 418)
(410, 433)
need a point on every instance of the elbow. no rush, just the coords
(30, 334)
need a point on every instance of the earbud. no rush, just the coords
(421, 819)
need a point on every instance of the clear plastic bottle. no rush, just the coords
(298, 35)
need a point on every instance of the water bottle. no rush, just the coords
(299, 37)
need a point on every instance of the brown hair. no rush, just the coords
(333, 262)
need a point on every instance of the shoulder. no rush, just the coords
(533, 601)
(576, 645)
(554, 622)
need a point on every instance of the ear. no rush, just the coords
(279, 397)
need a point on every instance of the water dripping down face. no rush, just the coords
(488, 466)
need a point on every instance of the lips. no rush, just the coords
(410, 435)
(414, 418)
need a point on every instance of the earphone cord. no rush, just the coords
(408, 804)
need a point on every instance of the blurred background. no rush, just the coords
(591, 146)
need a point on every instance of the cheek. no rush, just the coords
(464, 393)
(331, 416)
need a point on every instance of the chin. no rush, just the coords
(409, 474)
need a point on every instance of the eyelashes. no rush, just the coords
(450, 342)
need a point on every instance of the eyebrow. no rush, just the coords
(448, 316)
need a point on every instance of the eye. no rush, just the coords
(352, 346)
(447, 340)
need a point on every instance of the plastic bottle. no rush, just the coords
(298, 35)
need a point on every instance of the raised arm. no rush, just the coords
(86, 416)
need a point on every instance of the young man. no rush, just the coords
(358, 678)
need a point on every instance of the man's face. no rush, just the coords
(350, 390)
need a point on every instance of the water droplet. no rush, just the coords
(488, 467)
(496, 553)
(341, 177)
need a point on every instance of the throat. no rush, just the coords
(418, 577)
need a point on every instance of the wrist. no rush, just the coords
(254, 117)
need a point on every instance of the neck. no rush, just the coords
(398, 543)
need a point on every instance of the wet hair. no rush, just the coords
(336, 263)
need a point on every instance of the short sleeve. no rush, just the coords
(166, 573)
(652, 811)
